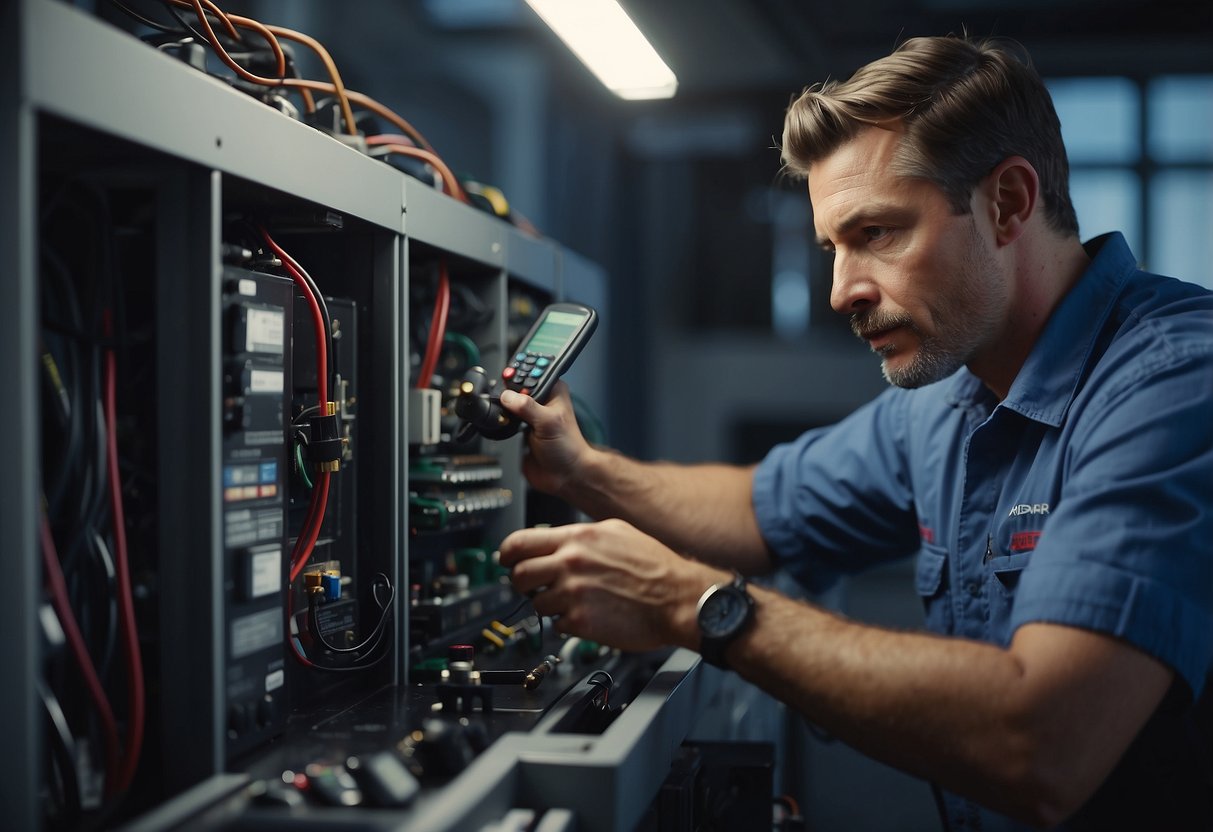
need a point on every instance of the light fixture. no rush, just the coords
(606, 40)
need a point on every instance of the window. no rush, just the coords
(1141, 162)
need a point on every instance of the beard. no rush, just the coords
(965, 314)
(932, 362)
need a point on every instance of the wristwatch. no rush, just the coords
(724, 611)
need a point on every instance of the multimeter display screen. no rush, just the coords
(554, 333)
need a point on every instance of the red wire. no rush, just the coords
(126, 604)
(288, 262)
(57, 587)
(306, 541)
(433, 347)
(311, 526)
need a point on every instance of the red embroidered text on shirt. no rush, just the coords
(1024, 541)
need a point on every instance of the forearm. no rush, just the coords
(937, 708)
(701, 510)
(1030, 731)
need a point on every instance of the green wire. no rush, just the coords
(300, 465)
(466, 344)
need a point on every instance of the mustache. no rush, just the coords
(866, 324)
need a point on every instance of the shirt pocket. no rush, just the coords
(931, 583)
(1001, 585)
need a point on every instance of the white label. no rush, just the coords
(265, 330)
(274, 680)
(256, 632)
(247, 286)
(266, 381)
(267, 577)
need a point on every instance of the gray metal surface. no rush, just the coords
(109, 81)
(437, 220)
(189, 400)
(607, 781)
(20, 771)
(533, 260)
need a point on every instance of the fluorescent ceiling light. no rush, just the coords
(606, 40)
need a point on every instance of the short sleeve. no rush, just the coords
(838, 499)
(1129, 548)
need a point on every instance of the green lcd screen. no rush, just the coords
(554, 333)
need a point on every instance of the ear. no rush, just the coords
(1011, 192)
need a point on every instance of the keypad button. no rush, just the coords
(520, 356)
(507, 373)
(542, 362)
(536, 373)
(530, 382)
(530, 359)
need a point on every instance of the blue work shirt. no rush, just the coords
(1083, 498)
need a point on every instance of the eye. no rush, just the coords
(876, 232)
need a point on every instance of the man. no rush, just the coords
(1046, 450)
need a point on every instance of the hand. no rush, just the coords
(557, 448)
(610, 583)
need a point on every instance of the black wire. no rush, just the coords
(63, 746)
(69, 361)
(148, 22)
(328, 329)
(83, 464)
(505, 619)
(106, 561)
(185, 23)
(303, 414)
(370, 642)
(606, 686)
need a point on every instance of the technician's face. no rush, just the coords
(918, 281)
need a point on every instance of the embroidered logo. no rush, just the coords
(926, 533)
(1025, 508)
(1024, 541)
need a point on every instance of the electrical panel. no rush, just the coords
(258, 313)
(257, 573)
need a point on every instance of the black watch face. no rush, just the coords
(723, 612)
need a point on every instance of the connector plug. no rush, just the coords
(325, 445)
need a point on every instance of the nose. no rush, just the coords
(853, 289)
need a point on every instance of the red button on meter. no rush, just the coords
(507, 373)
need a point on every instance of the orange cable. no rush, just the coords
(451, 184)
(344, 96)
(368, 103)
(230, 23)
(347, 112)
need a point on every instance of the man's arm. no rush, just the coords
(704, 510)
(1030, 731)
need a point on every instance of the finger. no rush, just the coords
(535, 577)
(549, 600)
(531, 543)
(524, 407)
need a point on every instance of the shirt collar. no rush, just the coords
(1049, 377)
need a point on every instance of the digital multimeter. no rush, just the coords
(543, 355)
(549, 349)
